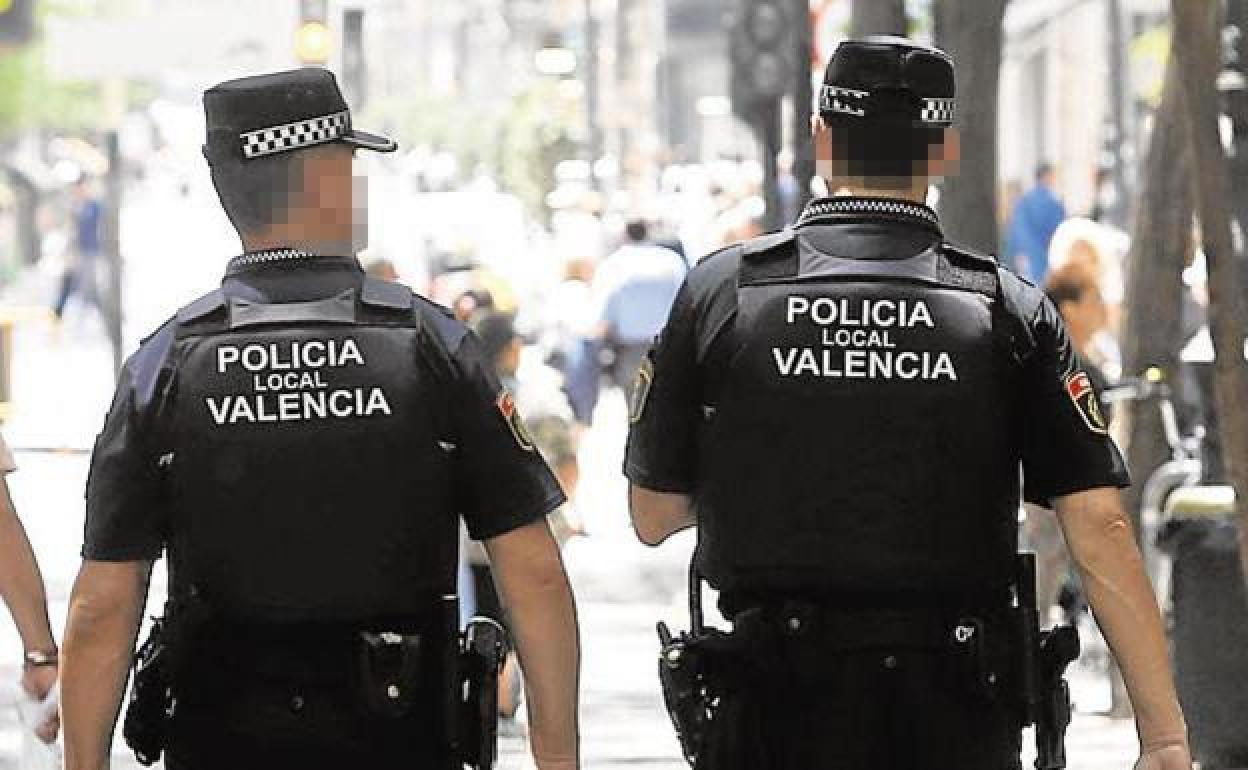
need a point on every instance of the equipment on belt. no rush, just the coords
(1014, 662)
(683, 675)
(387, 677)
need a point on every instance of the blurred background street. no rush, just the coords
(532, 134)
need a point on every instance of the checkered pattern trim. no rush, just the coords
(937, 111)
(294, 136)
(845, 101)
(269, 256)
(826, 209)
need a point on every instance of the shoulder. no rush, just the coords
(145, 368)
(446, 328)
(1022, 298)
(720, 269)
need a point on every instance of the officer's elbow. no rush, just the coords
(656, 516)
(647, 532)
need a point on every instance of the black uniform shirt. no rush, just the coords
(1065, 447)
(504, 486)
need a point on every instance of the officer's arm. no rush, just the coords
(658, 515)
(104, 612)
(542, 612)
(1103, 546)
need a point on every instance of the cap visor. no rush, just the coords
(367, 141)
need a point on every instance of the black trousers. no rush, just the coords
(864, 711)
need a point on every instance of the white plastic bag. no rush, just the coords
(34, 754)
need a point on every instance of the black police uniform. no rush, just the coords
(303, 442)
(849, 403)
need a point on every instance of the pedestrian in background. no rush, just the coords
(1032, 225)
(634, 289)
(570, 323)
(21, 586)
(80, 275)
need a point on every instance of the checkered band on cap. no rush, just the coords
(297, 135)
(849, 101)
(937, 111)
(845, 101)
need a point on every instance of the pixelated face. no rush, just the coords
(883, 156)
(333, 195)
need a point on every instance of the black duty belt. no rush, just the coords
(838, 630)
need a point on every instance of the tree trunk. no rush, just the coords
(1160, 243)
(972, 34)
(878, 17)
(1197, 47)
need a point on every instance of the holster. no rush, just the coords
(157, 667)
(483, 650)
(151, 704)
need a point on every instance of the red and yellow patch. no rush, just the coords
(641, 390)
(1083, 395)
(511, 415)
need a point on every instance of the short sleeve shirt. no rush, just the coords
(501, 482)
(1064, 445)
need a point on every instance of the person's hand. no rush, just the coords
(37, 683)
(1167, 758)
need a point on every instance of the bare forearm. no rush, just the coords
(21, 584)
(542, 613)
(99, 641)
(1122, 599)
(547, 642)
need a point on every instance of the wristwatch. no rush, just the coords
(40, 658)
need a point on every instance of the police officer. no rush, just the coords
(842, 410)
(302, 442)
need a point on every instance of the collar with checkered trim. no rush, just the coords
(254, 260)
(823, 211)
(296, 135)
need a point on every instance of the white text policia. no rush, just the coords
(298, 368)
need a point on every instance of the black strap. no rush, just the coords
(384, 295)
(339, 310)
(770, 257)
(202, 308)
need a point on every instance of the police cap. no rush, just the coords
(280, 112)
(892, 78)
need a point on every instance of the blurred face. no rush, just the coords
(831, 155)
(332, 204)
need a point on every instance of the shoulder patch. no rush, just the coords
(641, 390)
(506, 404)
(1087, 403)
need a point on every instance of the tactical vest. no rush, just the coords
(310, 471)
(861, 438)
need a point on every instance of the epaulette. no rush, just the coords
(385, 295)
(765, 246)
(202, 308)
(969, 270)
(962, 254)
